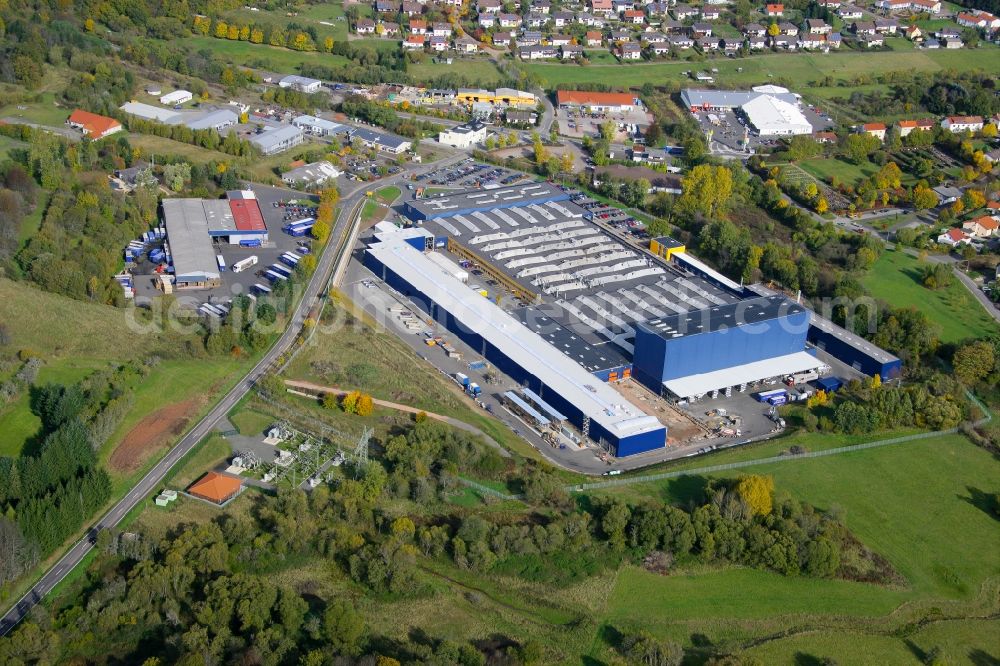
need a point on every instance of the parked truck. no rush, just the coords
(474, 389)
(244, 264)
(801, 377)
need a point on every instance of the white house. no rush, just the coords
(954, 238)
(464, 136)
(956, 124)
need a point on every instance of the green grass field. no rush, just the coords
(388, 194)
(482, 71)
(7, 144)
(843, 170)
(895, 278)
(915, 503)
(805, 70)
(261, 55)
(158, 145)
(250, 423)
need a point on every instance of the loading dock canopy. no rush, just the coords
(526, 408)
(542, 405)
(698, 385)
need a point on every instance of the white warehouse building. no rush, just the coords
(772, 116)
(464, 136)
(176, 97)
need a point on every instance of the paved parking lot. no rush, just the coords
(468, 174)
(577, 123)
(613, 217)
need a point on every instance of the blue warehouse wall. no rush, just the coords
(658, 359)
(627, 446)
(850, 355)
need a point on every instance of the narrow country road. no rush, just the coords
(350, 201)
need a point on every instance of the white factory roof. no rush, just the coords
(696, 385)
(526, 348)
(449, 266)
(150, 112)
(770, 114)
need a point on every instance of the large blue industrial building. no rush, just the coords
(593, 310)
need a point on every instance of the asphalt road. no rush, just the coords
(152, 480)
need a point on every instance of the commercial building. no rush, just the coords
(274, 140)
(381, 141)
(301, 83)
(594, 407)
(678, 326)
(193, 225)
(311, 175)
(176, 97)
(216, 120)
(500, 96)
(770, 110)
(319, 126)
(464, 136)
(600, 102)
(188, 243)
(93, 125)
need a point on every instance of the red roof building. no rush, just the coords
(775, 9)
(216, 487)
(93, 125)
(597, 100)
(247, 215)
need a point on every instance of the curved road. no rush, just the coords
(154, 477)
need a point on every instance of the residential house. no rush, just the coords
(602, 6)
(489, 6)
(655, 38)
(571, 51)
(954, 238)
(886, 26)
(509, 20)
(957, 124)
(660, 49)
(418, 27)
(709, 13)
(390, 29)
(871, 41)
(629, 51)
(563, 19)
(926, 6)
(754, 30)
(684, 12)
(414, 42)
(824, 137)
(757, 43)
(830, 5)
(590, 20)
(594, 38)
(536, 20)
(948, 33)
(981, 227)
(466, 44)
(699, 30)
(657, 8)
(834, 40)
(777, 9)
(787, 28)
(670, 25)
(487, 21)
(908, 126)
(863, 28)
(709, 44)
(386, 6)
(732, 45)
(412, 8)
(785, 42)
(681, 42)
(849, 12)
(893, 5)
(438, 43)
(441, 30)
(634, 16)
(876, 130)
(817, 27)
(537, 52)
(530, 38)
(501, 39)
(811, 42)
(952, 43)
(541, 6)
(560, 40)
(978, 19)
(365, 27)
(913, 33)
(619, 36)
